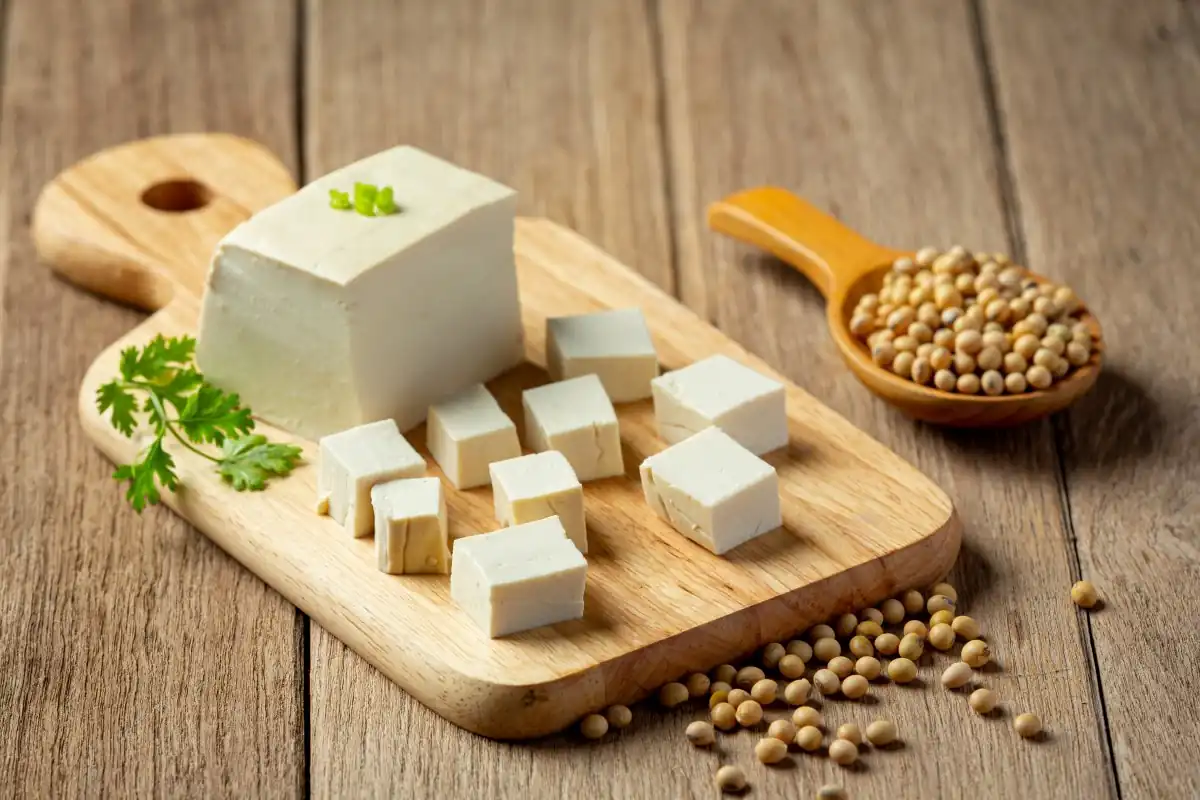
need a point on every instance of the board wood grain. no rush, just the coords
(136, 658)
(657, 606)
(1104, 180)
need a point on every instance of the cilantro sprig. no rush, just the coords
(368, 200)
(178, 402)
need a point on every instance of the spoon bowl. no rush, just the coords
(844, 266)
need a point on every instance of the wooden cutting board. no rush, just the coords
(138, 223)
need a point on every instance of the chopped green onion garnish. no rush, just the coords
(368, 199)
(384, 202)
(339, 200)
(364, 199)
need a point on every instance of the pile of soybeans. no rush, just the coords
(972, 323)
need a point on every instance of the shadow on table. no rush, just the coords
(768, 267)
(973, 573)
(1118, 420)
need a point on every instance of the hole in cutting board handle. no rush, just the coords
(177, 196)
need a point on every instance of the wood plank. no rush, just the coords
(1106, 186)
(876, 113)
(559, 100)
(135, 657)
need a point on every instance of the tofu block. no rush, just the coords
(354, 461)
(538, 486)
(410, 527)
(576, 418)
(713, 491)
(614, 345)
(324, 319)
(519, 578)
(468, 432)
(720, 392)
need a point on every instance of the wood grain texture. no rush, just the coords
(657, 606)
(1105, 184)
(851, 104)
(136, 659)
(875, 112)
(558, 100)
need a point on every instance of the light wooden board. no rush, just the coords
(859, 523)
(136, 658)
(1107, 191)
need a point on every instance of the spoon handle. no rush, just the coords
(829, 254)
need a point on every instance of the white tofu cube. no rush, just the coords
(720, 392)
(613, 345)
(467, 433)
(713, 491)
(538, 486)
(519, 578)
(576, 418)
(352, 462)
(410, 527)
(324, 319)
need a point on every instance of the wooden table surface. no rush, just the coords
(138, 659)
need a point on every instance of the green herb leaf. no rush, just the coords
(384, 202)
(163, 370)
(174, 388)
(364, 199)
(159, 355)
(211, 416)
(248, 462)
(339, 200)
(154, 466)
(115, 397)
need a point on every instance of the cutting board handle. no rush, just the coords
(138, 223)
(830, 254)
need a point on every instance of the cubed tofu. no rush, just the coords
(466, 433)
(324, 319)
(410, 527)
(519, 578)
(713, 490)
(721, 392)
(538, 486)
(576, 418)
(615, 346)
(355, 460)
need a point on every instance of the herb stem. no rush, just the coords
(183, 441)
(166, 424)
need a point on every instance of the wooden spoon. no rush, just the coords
(844, 266)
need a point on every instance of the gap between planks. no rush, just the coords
(300, 78)
(666, 154)
(5, 177)
(1014, 221)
